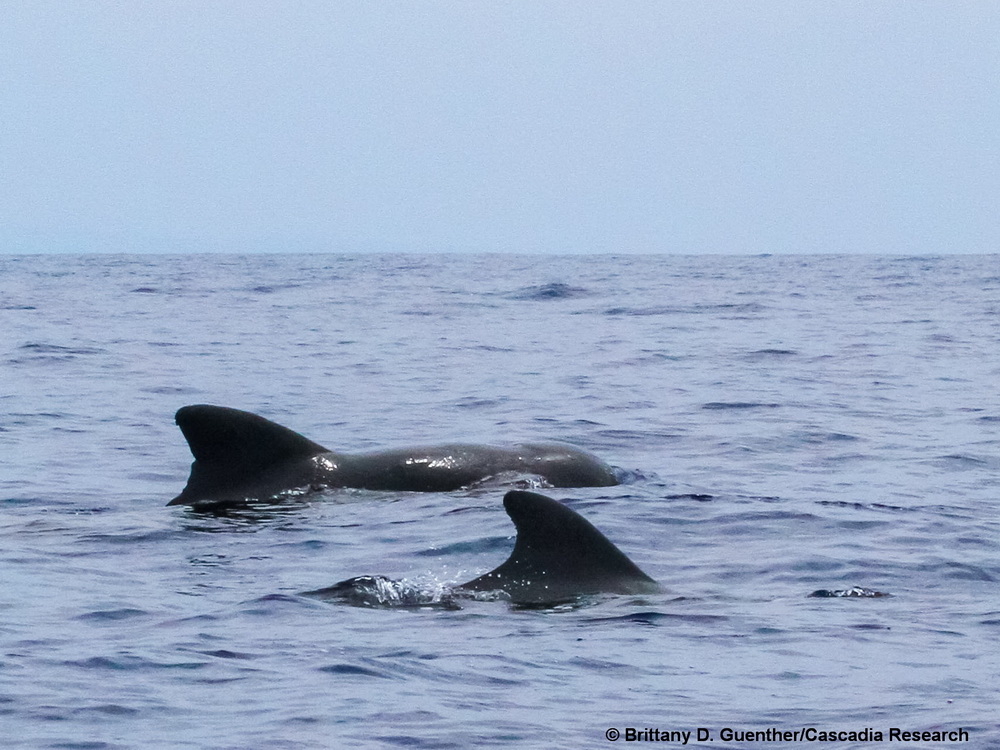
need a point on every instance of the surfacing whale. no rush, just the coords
(558, 556)
(240, 456)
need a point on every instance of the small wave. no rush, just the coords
(614, 438)
(22, 500)
(488, 544)
(224, 653)
(56, 349)
(660, 618)
(124, 663)
(112, 615)
(767, 353)
(270, 604)
(168, 390)
(822, 437)
(960, 571)
(638, 312)
(960, 458)
(479, 403)
(38, 353)
(137, 537)
(964, 462)
(746, 307)
(487, 348)
(862, 506)
(354, 670)
(722, 405)
(741, 309)
(272, 288)
(108, 709)
(633, 476)
(544, 292)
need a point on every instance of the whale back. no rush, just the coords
(559, 555)
(234, 450)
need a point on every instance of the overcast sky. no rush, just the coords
(500, 125)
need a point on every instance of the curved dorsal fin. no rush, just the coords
(559, 555)
(232, 447)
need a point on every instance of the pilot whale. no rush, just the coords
(241, 456)
(558, 556)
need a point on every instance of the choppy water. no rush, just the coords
(788, 423)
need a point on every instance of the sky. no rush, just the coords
(530, 126)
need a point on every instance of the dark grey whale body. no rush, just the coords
(241, 456)
(558, 556)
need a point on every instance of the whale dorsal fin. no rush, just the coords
(559, 555)
(232, 448)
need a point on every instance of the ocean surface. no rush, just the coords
(785, 425)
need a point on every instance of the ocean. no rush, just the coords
(785, 425)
